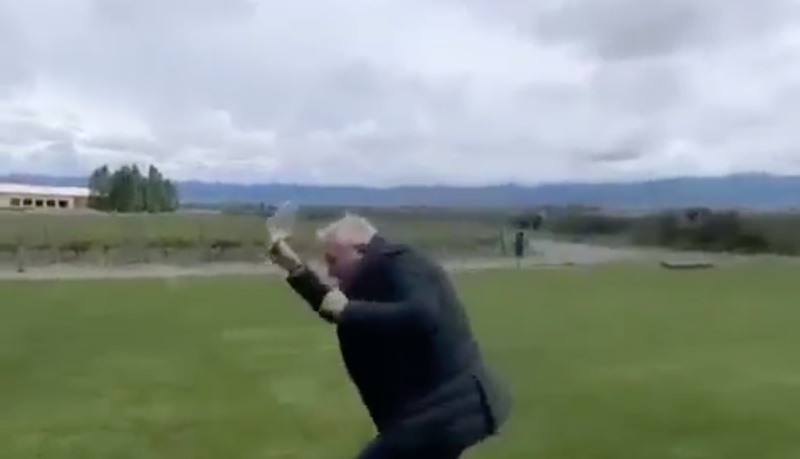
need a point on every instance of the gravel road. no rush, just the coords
(544, 253)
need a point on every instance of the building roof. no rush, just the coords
(66, 191)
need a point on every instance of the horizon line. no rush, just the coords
(510, 184)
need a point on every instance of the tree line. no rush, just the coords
(128, 190)
(699, 228)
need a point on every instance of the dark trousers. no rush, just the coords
(438, 434)
(448, 440)
(380, 448)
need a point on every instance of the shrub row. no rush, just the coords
(689, 229)
(79, 247)
(463, 243)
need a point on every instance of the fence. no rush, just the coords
(104, 239)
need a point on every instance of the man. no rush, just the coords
(406, 343)
(519, 246)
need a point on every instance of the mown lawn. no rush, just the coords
(605, 363)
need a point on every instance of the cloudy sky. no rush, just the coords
(401, 91)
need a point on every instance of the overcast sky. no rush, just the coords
(401, 91)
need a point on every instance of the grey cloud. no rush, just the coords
(631, 29)
(613, 156)
(619, 29)
(370, 92)
(171, 12)
(15, 68)
(643, 87)
(357, 92)
(57, 158)
(26, 131)
(61, 155)
(125, 144)
(171, 80)
(635, 146)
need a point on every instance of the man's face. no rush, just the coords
(341, 260)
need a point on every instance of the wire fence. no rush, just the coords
(189, 238)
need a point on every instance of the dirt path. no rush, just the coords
(545, 253)
(56, 272)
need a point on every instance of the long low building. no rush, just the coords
(19, 196)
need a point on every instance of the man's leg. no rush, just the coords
(438, 453)
(379, 448)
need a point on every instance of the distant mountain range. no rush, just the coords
(757, 191)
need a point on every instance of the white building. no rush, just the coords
(18, 196)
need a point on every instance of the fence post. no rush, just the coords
(205, 250)
(146, 233)
(20, 254)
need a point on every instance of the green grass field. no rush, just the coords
(605, 363)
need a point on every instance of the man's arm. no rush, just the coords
(308, 285)
(414, 309)
(387, 317)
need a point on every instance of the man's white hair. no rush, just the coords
(350, 229)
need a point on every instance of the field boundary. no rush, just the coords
(547, 254)
(69, 272)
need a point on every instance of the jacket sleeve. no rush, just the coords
(415, 308)
(307, 284)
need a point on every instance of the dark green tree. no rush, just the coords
(127, 190)
(170, 201)
(100, 187)
(154, 190)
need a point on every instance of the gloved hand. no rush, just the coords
(282, 254)
(333, 304)
(327, 301)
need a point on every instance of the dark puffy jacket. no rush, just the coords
(407, 344)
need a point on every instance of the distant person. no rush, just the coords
(519, 246)
(406, 342)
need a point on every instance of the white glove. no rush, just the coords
(334, 303)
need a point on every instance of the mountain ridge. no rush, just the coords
(756, 190)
